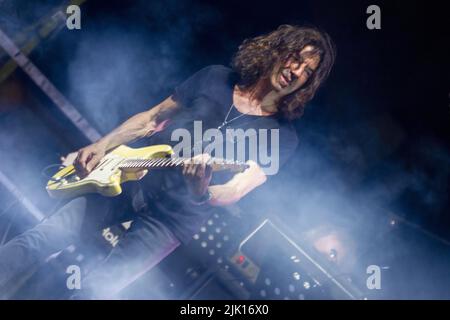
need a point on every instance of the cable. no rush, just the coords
(44, 171)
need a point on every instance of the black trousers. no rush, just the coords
(144, 245)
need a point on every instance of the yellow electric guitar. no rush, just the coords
(120, 165)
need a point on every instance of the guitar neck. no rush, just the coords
(164, 163)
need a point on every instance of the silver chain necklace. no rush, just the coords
(226, 121)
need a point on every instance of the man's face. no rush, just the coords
(292, 74)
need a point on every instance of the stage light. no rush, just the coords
(240, 259)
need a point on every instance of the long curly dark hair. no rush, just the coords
(256, 58)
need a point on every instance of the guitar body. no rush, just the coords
(107, 177)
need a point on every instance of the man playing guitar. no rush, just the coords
(273, 76)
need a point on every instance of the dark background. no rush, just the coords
(373, 143)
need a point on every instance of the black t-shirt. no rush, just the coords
(206, 96)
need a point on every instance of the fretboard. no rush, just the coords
(162, 163)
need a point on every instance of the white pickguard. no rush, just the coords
(108, 167)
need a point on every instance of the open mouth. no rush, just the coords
(286, 78)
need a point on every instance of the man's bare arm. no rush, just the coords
(241, 184)
(138, 126)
